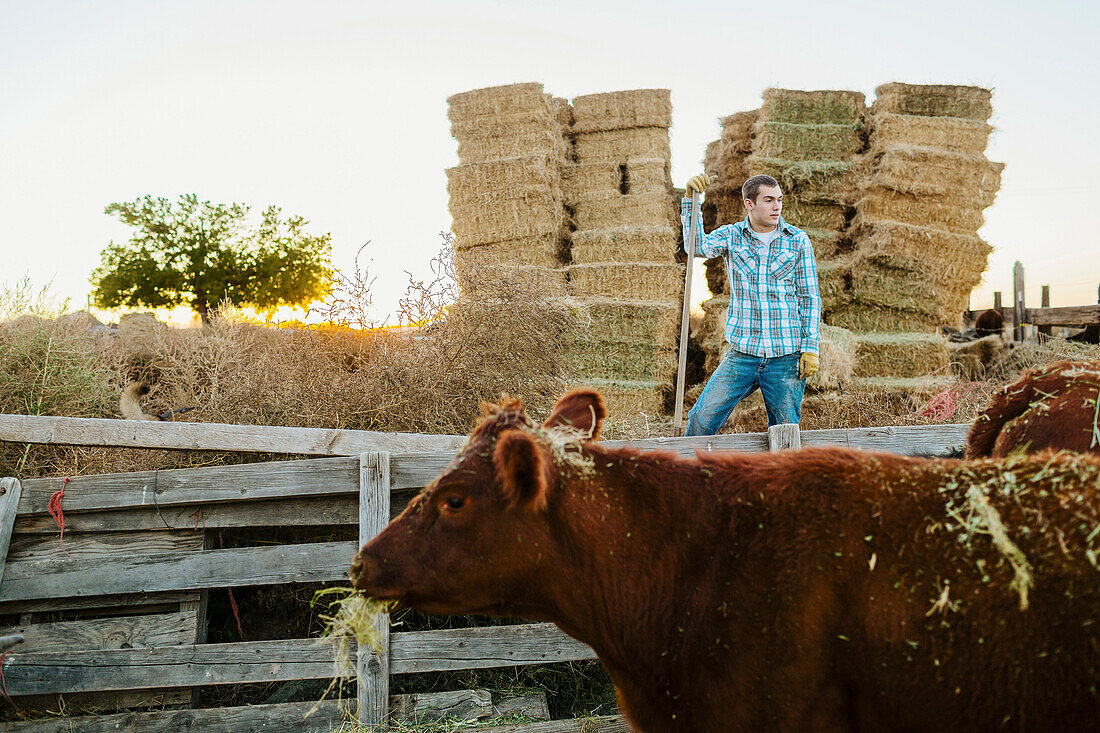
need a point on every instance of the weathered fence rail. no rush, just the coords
(133, 545)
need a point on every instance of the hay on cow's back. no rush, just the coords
(795, 141)
(824, 106)
(886, 354)
(935, 100)
(610, 209)
(620, 145)
(945, 133)
(622, 110)
(625, 244)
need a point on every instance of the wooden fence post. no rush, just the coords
(784, 436)
(997, 302)
(1044, 302)
(10, 491)
(1018, 301)
(373, 669)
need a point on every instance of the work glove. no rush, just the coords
(808, 365)
(699, 183)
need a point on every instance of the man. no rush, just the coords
(773, 324)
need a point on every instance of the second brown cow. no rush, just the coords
(814, 590)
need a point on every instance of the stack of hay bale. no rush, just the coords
(505, 196)
(624, 275)
(917, 255)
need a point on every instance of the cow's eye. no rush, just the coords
(455, 502)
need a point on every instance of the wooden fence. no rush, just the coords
(132, 569)
(1043, 317)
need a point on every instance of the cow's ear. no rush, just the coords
(582, 409)
(522, 470)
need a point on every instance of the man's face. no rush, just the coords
(764, 212)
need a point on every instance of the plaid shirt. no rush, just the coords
(775, 308)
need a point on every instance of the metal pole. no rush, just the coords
(691, 246)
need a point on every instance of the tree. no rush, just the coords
(198, 253)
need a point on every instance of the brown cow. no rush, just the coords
(816, 590)
(1054, 406)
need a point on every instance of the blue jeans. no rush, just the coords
(738, 376)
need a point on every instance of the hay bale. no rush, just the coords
(512, 144)
(933, 172)
(826, 244)
(810, 215)
(633, 244)
(878, 202)
(594, 358)
(858, 316)
(528, 214)
(972, 360)
(946, 133)
(622, 110)
(962, 256)
(563, 114)
(635, 280)
(824, 106)
(606, 210)
(630, 321)
(837, 352)
(811, 181)
(475, 128)
(934, 100)
(924, 386)
(497, 101)
(469, 183)
(738, 131)
(540, 251)
(899, 282)
(794, 141)
(621, 145)
(833, 283)
(624, 398)
(636, 175)
(886, 354)
(479, 279)
(712, 157)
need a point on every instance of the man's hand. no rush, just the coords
(699, 183)
(808, 365)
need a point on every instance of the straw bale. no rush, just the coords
(622, 244)
(857, 316)
(712, 158)
(963, 255)
(809, 215)
(636, 175)
(837, 354)
(563, 113)
(934, 100)
(932, 172)
(509, 219)
(638, 280)
(501, 126)
(595, 358)
(826, 244)
(478, 279)
(833, 283)
(512, 144)
(738, 130)
(539, 251)
(794, 141)
(886, 354)
(621, 145)
(925, 386)
(624, 398)
(808, 180)
(529, 171)
(822, 106)
(496, 101)
(879, 202)
(622, 110)
(895, 282)
(946, 133)
(613, 209)
(630, 321)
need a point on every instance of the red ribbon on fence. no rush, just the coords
(56, 512)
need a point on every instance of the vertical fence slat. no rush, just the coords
(374, 513)
(1044, 302)
(1018, 311)
(783, 437)
(10, 489)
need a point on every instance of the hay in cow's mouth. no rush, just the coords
(355, 616)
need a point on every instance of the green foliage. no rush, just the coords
(199, 254)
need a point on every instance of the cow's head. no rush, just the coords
(476, 538)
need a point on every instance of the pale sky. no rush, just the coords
(336, 110)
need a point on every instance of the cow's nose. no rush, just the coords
(356, 568)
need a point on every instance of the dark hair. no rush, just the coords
(752, 186)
